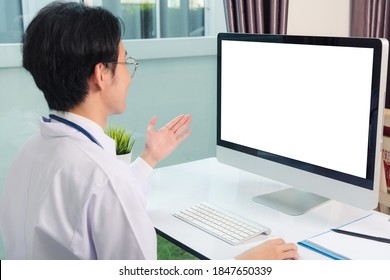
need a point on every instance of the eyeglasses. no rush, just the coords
(131, 62)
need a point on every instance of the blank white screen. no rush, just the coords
(304, 102)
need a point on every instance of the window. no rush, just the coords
(143, 19)
(11, 21)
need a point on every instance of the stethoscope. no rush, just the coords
(77, 127)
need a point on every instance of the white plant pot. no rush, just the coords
(126, 158)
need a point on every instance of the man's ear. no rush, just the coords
(96, 80)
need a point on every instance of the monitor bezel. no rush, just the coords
(372, 43)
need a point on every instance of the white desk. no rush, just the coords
(180, 186)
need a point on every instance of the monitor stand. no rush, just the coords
(290, 201)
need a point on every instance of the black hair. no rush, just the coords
(62, 45)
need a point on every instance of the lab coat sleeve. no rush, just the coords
(141, 170)
(121, 228)
(142, 167)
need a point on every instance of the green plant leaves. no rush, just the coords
(123, 139)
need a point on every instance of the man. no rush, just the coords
(66, 195)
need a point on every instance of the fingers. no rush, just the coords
(274, 249)
(290, 255)
(183, 136)
(173, 122)
(179, 124)
(152, 123)
(290, 251)
(284, 251)
(182, 125)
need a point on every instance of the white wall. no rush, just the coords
(319, 17)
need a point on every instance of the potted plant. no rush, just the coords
(124, 141)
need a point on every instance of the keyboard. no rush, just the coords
(224, 225)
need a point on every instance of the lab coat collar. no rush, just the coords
(56, 129)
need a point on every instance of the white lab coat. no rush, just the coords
(67, 198)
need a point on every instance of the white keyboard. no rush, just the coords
(225, 225)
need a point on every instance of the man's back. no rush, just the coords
(55, 201)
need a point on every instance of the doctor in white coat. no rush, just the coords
(66, 195)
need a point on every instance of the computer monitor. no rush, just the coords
(304, 111)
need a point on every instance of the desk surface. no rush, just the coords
(180, 186)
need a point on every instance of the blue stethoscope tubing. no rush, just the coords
(77, 127)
